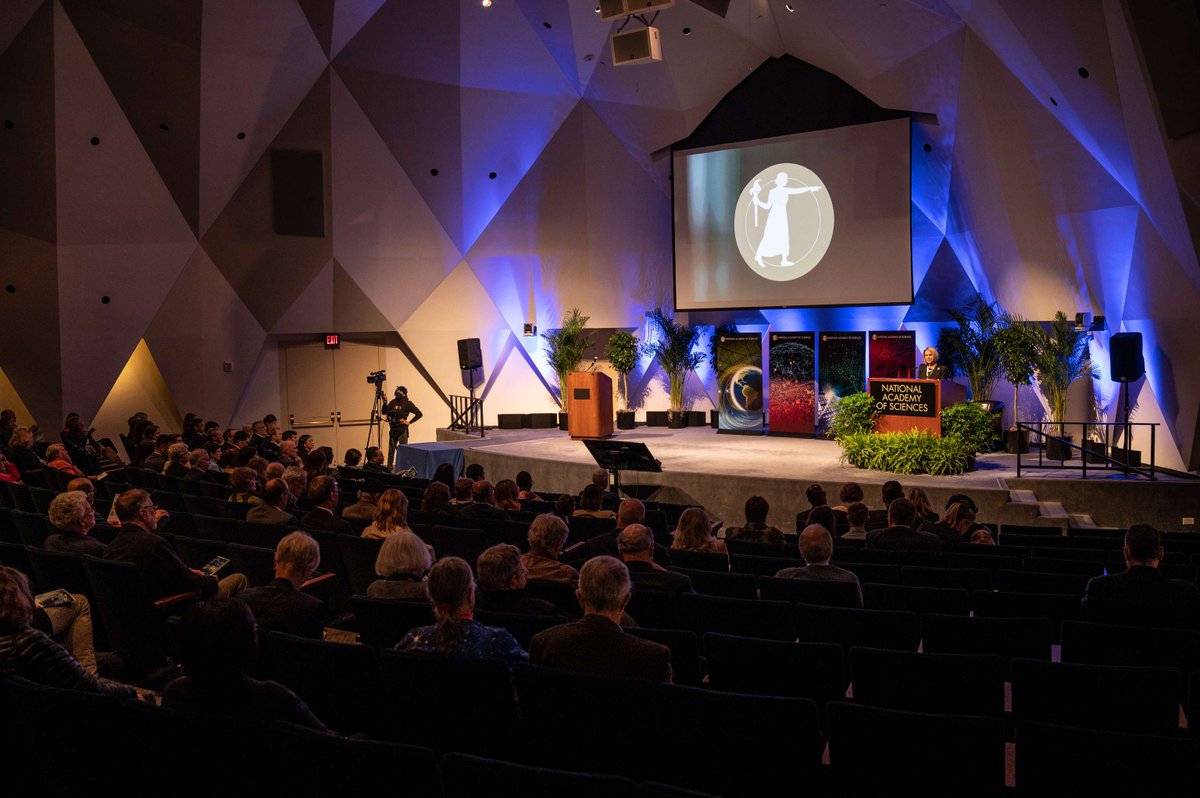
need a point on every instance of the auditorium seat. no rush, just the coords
(197, 552)
(805, 591)
(890, 557)
(340, 683)
(310, 764)
(1072, 553)
(199, 505)
(464, 542)
(700, 560)
(1066, 760)
(1102, 644)
(1143, 700)
(760, 549)
(988, 562)
(714, 583)
(877, 572)
(761, 566)
(560, 593)
(942, 600)
(32, 528)
(466, 776)
(736, 664)
(1056, 607)
(961, 684)
(1160, 614)
(946, 755)
(771, 620)
(584, 527)
(521, 626)
(257, 564)
(685, 651)
(853, 627)
(1031, 582)
(382, 622)
(264, 536)
(1008, 638)
(1054, 565)
(54, 569)
(970, 579)
(358, 556)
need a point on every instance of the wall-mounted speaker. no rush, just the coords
(636, 46)
(615, 9)
(1126, 362)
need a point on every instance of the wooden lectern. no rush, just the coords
(589, 405)
(907, 404)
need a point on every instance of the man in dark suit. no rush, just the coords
(816, 547)
(279, 606)
(816, 498)
(272, 510)
(323, 517)
(900, 536)
(596, 644)
(483, 504)
(931, 369)
(636, 546)
(503, 585)
(631, 511)
(374, 462)
(1141, 581)
(890, 491)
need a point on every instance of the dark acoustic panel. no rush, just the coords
(298, 193)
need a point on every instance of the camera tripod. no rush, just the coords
(375, 428)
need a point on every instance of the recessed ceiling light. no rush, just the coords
(486, 3)
(687, 31)
(791, 9)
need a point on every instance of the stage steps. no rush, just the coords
(1050, 510)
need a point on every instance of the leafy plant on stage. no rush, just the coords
(970, 424)
(1016, 347)
(675, 349)
(1061, 356)
(565, 347)
(916, 452)
(622, 353)
(853, 415)
(970, 346)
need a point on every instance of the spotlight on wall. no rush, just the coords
(530, 330)
(486, 3)
(1083, 320)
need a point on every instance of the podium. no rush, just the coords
(905, 404)
(589, 405)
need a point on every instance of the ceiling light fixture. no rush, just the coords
(486, 3)
(791, 9)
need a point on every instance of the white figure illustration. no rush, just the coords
(776, 239)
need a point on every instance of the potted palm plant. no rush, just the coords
(622, 353)
(970, 347)
(1061, 356)
(675, 349)
(1016, 349)
(564, 352)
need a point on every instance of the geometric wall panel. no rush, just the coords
(312, 310)
(30, 354)
(141, 386)
(945, 287)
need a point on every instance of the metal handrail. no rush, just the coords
(1085, 452)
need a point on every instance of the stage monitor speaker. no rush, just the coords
(541, 421)
(656, 418)
(636, 46)
(1126, 362)
(470, 356)
(510, 421)
(298, 193)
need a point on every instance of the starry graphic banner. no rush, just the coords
(841, 370)
(792, 385)
(740, 382)
(892, 353)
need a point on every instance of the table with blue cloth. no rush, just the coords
(426, 457)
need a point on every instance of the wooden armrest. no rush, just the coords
(317, 580)
(167, 601)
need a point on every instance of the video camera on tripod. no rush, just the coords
(377, 378)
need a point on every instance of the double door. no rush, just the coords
(326, 393)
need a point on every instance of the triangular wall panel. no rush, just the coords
(312, 310)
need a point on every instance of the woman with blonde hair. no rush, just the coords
(694, 533)
(23, 456)
(920, 500)
(390, 517)
(956, 524)
(402, 565)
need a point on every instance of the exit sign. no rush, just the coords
(332, 341)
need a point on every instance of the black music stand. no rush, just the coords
(618, 456)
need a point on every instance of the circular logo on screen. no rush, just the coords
(783, 222)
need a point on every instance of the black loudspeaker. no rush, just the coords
(298, 193)
(1125, 356)
(509, 421)
(470, 356)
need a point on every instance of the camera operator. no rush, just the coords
(398, 411)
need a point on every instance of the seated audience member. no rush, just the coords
(636, 547)
(899, 535)
(244, 484)
(21, 453)
(391, 516)
(297, 485)
(525, 487)
(474, 472)
(506, 496)
(816, 547)
(289, 453)
(1141, 581)
(364, 508)
(888, 493)
(503, 584)
(925, 511)
(218, 647)
(27, 651)
(756, 529)
(228, 460)
(402, 564)
(851, 492)
(316, 464)
(600, 479)
(305, 444)
(547, 534)
(462, 492)
(266, 470)
(444, 474)
(483, 504)
(9, 471)
(352, 458)
(279, 605)
(375, 462)
(157, 461)
(72, 516)
(451, 589)
(57, 457)
(564, 506)
(178, 461)
(816, 497)
(857, 516)
(590, 500)
(323, 517)
(435, 501)
(161, 569)
(272, 508)
(955, 526)
(630, 511)
(824, 516)
(694, 533)
(596, 644)
(983, 537)
(8, 423)
(141, 451)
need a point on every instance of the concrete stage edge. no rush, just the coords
(721, 471)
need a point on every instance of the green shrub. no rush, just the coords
(913, 452)
(853, 415)
(970, 424)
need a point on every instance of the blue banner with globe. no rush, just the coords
(740, 382)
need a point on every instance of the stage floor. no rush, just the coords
(721, 471)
